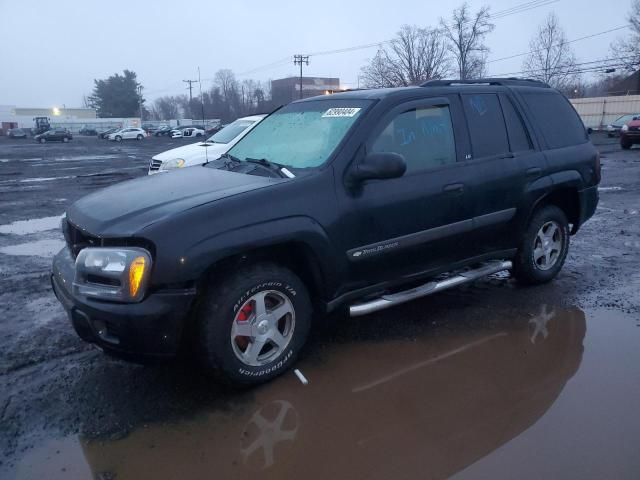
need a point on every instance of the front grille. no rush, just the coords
(155, 164)
(77, 239)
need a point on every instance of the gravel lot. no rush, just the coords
(490, 380)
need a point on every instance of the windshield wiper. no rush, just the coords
(278, 168)
(231, 160)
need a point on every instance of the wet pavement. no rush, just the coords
(490, 380)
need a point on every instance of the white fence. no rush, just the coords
(598, 112)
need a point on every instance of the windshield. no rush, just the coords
(231, 131)
(301, 135)
(624, 119)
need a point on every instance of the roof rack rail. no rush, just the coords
(510, 81)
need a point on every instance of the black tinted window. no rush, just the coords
(424, 136)
(556, 118)
(486, 125)
(518, 136)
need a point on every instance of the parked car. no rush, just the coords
(88, 131)
(193, 132)
(55, 135)
(364, 200)
(130, 133)
(211, 149)
(150, 129)
(108, 132)
(163, 131)
(613, 129)
(630, 133)
(17, 133)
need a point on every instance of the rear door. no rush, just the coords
(501, 153)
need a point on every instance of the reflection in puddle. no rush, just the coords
(40, 248)
(33, 225)
(421, 408)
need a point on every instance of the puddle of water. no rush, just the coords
(470, 401)
(40, 248)
(34, 225)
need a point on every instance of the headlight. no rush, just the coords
(625, 127)
(119, 274)
(171, 164)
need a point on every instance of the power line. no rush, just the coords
(560, 44)
(581, 67)
(500, 14)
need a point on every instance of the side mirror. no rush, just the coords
(378, 166)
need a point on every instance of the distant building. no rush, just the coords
(73, 119)
(12, 116)
(286, 90)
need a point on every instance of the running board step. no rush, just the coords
(389, 300)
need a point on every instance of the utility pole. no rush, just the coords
(140, 102)
(190, 87)
(299, 60)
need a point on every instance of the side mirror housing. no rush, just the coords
(378, 166)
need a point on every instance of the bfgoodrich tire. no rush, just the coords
(543, 248)
(253, 323)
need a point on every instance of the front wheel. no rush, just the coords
(65, 139)
(42, 140)
(625, 144)
(253, 323)
(118, 138)
(543, 248)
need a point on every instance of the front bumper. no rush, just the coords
(152, 327)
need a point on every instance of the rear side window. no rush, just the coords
(518, 136)
(423, 136)
(556, 118)
(486, 125)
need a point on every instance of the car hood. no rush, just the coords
(127, 208)
(194, 153)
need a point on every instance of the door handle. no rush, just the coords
(454, 188)
(534, 172)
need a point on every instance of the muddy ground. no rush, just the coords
(491, 380)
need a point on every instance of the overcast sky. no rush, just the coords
(50, 52)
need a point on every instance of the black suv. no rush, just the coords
(364, 199)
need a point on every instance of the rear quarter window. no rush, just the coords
(556, 119)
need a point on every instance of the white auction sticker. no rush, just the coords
(341, 112)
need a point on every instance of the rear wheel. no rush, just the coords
(65, 139)
(253, 323)
(42, 140)
(544, 246)
(139, 137)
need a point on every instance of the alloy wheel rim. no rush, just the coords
(262, 328)
(547, 245)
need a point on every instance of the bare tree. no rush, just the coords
(466, 33)
(413, 56)
(551, 59)
(627, 49)
(167, 107)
